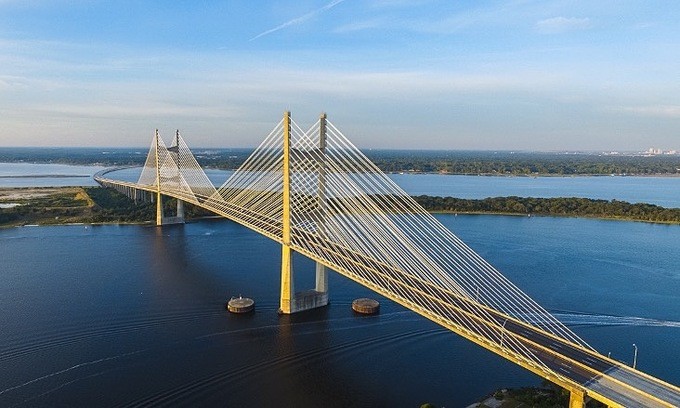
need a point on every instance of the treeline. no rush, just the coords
(422, 161)
(570, 206)
(215, 158)
(525, 163)
(100, 205)
(112, 206)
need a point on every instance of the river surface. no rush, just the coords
(663, 191)
(103, 316)
(46, 175)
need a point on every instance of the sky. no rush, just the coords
(404, 74)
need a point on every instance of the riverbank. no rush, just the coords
(95, 205)
(547, 396)
(554, 207)
(68, 205)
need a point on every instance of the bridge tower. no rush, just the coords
(321, 273)
(291, 301)
(159, 197)
(161, 219)
(179, 218)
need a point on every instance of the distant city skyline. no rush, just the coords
(403, 74)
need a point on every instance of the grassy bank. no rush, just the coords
(64, 205)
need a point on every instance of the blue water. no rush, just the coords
(46, 175)
(134, 315)
(663, 191)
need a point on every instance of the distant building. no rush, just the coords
(652, 151)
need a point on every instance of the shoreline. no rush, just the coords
(400, 172)
(538, 175)
(42, 206)
(509, 214)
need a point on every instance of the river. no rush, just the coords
(103, 316)
(663, 191)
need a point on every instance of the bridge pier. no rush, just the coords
(291, 301)
(180, 209)
(161, 219)
(576, 399)
(159, 209)
(321, 279)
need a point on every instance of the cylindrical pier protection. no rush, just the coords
(366, 306)
(240, 305)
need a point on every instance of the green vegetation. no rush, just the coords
(422, 161)
(92, 205)
(548, 396)
(44, 206)
(99, 205)
(111, 206)
(524, 163)
(572, 207)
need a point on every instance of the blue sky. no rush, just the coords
(512, 75)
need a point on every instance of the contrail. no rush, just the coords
(299, 20)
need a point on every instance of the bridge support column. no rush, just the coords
(576, 399)
(159, 197)
(321, 278)
(161, 219)
(159, 209)
(287, 305)
(180, 209)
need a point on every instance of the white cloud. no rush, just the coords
(360, 26)
(135, 110)
(299, 20)
(557, 25)
(660, 111)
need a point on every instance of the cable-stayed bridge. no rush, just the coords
(316, 194)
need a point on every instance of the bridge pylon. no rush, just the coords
(291, 301)
(321, 272)
(161, 219)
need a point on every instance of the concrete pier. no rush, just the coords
(308, 299)
(241, 305)
(366, 306)
(161, 219)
